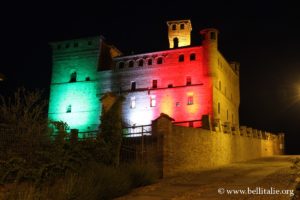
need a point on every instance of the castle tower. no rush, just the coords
(179, 33)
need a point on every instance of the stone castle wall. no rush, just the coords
(187, 149)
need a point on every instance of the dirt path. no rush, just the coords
(261, 176)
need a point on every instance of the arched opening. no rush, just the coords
(121, 65)
(193, 56)
(181, 26)
(73, 77)
(159, 60)
(181, 58)
(141, 63)
(175, 42)
(131, 63)
(150, 61)
(174, 27)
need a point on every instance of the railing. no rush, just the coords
(192, 123)
(137, 131)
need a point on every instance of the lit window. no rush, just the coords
(188, 80)
(181, 58)
(159, 60)
(133, 86)
(132, 102)
(154, 83)
(181, 26)
(152, 101)
(193, 56)
(69, 109)
(174, 27)
(190, 99)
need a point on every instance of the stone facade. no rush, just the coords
(187, 149)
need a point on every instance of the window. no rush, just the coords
(220, 86)
(159, 60)
(176, 42)
(150, 61)
(132, 102)
(89, 43)
(131, 63)
(219, 108)
(67, 45)
(170, 85)
(141, 63)
(181, 26)
(152, 101)
(58, 46)
(177, 104)
(227, 114)
(73, 77)
(193, 57)
(121, 65)
(154, 83)
(69, 109)
(133, 86)
(174, 27)
(181, 58)
(75, 44)
(87, 78)
(188, 80)
(212, 35)
(190, 99)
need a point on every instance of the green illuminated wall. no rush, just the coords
(76, 102)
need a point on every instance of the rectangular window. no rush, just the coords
(152, 101)
(188, 80)
(132, 102)
(219, 108)
(133, 86)
(190, 99)
(154, 83)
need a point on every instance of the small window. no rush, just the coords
(150, 61)
(152, 101)
(170, 85)
(154, 83)
(59, 46)
(181, 58)
(177, 104)
(67, 45)
(121, 65)
(174, 27)
(131, 63)
(220, 85)
(212, 35)
(69, 109)
(188, 80)
(159, 60)
(75, 44)
(219, 108)
(227, 114)
(190, 100)
(141, 63)
(87, 78)
(176, 42)
(89, 43)
(181, 26)
(133, 86)
(193, 57)
(73, 77)
(132, 102)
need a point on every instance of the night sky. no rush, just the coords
(263, 36)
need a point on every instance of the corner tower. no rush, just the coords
(179, 33)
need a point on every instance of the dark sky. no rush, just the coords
(264, 36)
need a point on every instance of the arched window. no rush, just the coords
(193, 56)
(175, 42)
(181, 26)
(73, 77)
(141, 63)
(159, 60)
(181, 58)
(174, 27)
(149, 61)
(131, 63)
(121, 65)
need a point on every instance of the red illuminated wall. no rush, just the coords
(169, 100)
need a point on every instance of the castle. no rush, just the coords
(185, 82)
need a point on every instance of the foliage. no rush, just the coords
(111, 131)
